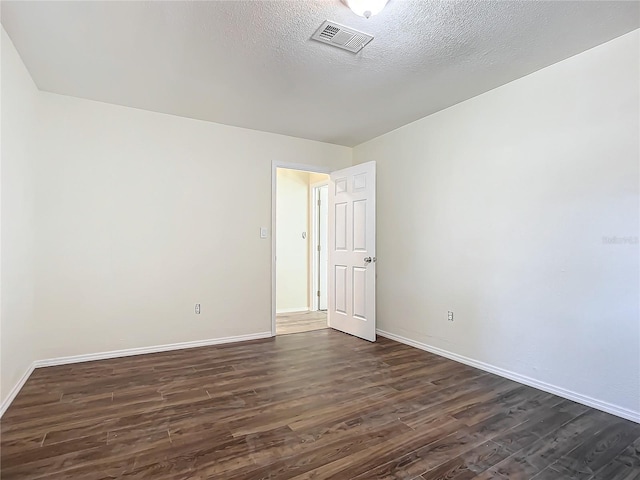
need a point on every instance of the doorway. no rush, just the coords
(351, 248)
(300, 236)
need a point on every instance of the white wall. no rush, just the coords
(141, 215)
(292, 251)
(116, 221)
(17, 281)
(496, 208)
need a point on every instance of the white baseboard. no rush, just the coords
(122, 353)
(532, 382)
(16, 389)
(293, 310)
(153, 349)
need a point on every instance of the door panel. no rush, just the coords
(341, 289)
(360, 293)
(341, 226)
(360, 226)
(352, 262)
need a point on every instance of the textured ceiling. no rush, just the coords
(252, 64)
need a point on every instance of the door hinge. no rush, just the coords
(319, 202)
(318, 247)
(318, 292)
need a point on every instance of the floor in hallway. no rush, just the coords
(300, 322)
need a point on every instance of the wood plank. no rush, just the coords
(592, 455)
(469, 464)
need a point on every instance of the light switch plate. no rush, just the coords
(264, 232)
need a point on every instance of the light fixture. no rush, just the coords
(366, 8)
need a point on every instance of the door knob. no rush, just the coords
(369, 259)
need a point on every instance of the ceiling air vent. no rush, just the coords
(341, 36)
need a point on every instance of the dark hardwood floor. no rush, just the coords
(312, 405)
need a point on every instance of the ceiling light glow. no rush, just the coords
(366, 8)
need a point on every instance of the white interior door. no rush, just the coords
(323, 254)
(352, 250)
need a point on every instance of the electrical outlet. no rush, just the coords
(198, 308)
(450, 316)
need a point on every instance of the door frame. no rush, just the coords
(314, 236)
(275, 165)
